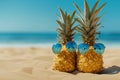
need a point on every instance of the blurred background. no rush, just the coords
(33, 22)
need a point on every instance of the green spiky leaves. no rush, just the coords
(66, 26)
(89, 22)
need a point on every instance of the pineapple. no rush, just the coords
(89, 55)
(65, 49)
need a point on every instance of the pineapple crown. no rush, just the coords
(66, 27)
(89, 22)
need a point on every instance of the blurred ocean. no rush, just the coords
(48, 39)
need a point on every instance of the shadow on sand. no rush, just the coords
(111, 70)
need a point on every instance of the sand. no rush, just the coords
(35, 64)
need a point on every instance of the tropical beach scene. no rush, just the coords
(59, 40)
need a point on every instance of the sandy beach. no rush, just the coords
(35, 64)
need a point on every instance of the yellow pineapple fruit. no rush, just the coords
(89, 56)
(65, 49)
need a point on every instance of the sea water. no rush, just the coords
(48, 39)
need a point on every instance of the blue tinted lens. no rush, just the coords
(83, 48)
(71, 46)
(99, 48)
(56, 48)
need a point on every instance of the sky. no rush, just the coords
(40, 15)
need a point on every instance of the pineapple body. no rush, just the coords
(65, 55)
(64, 61)
(90, 62)
(89, 58)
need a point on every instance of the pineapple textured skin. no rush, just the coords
(64, 61)
(90, 62)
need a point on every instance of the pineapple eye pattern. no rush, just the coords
(99, 48)
(71, 46)
(83, 48)
(56, 48)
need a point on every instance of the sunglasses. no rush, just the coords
(70, 46)
(82, 48)
(98, 48)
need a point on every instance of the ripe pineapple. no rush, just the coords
(89, 56)
(65, 49)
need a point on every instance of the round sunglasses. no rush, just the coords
(70, 46)
(98, 48)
